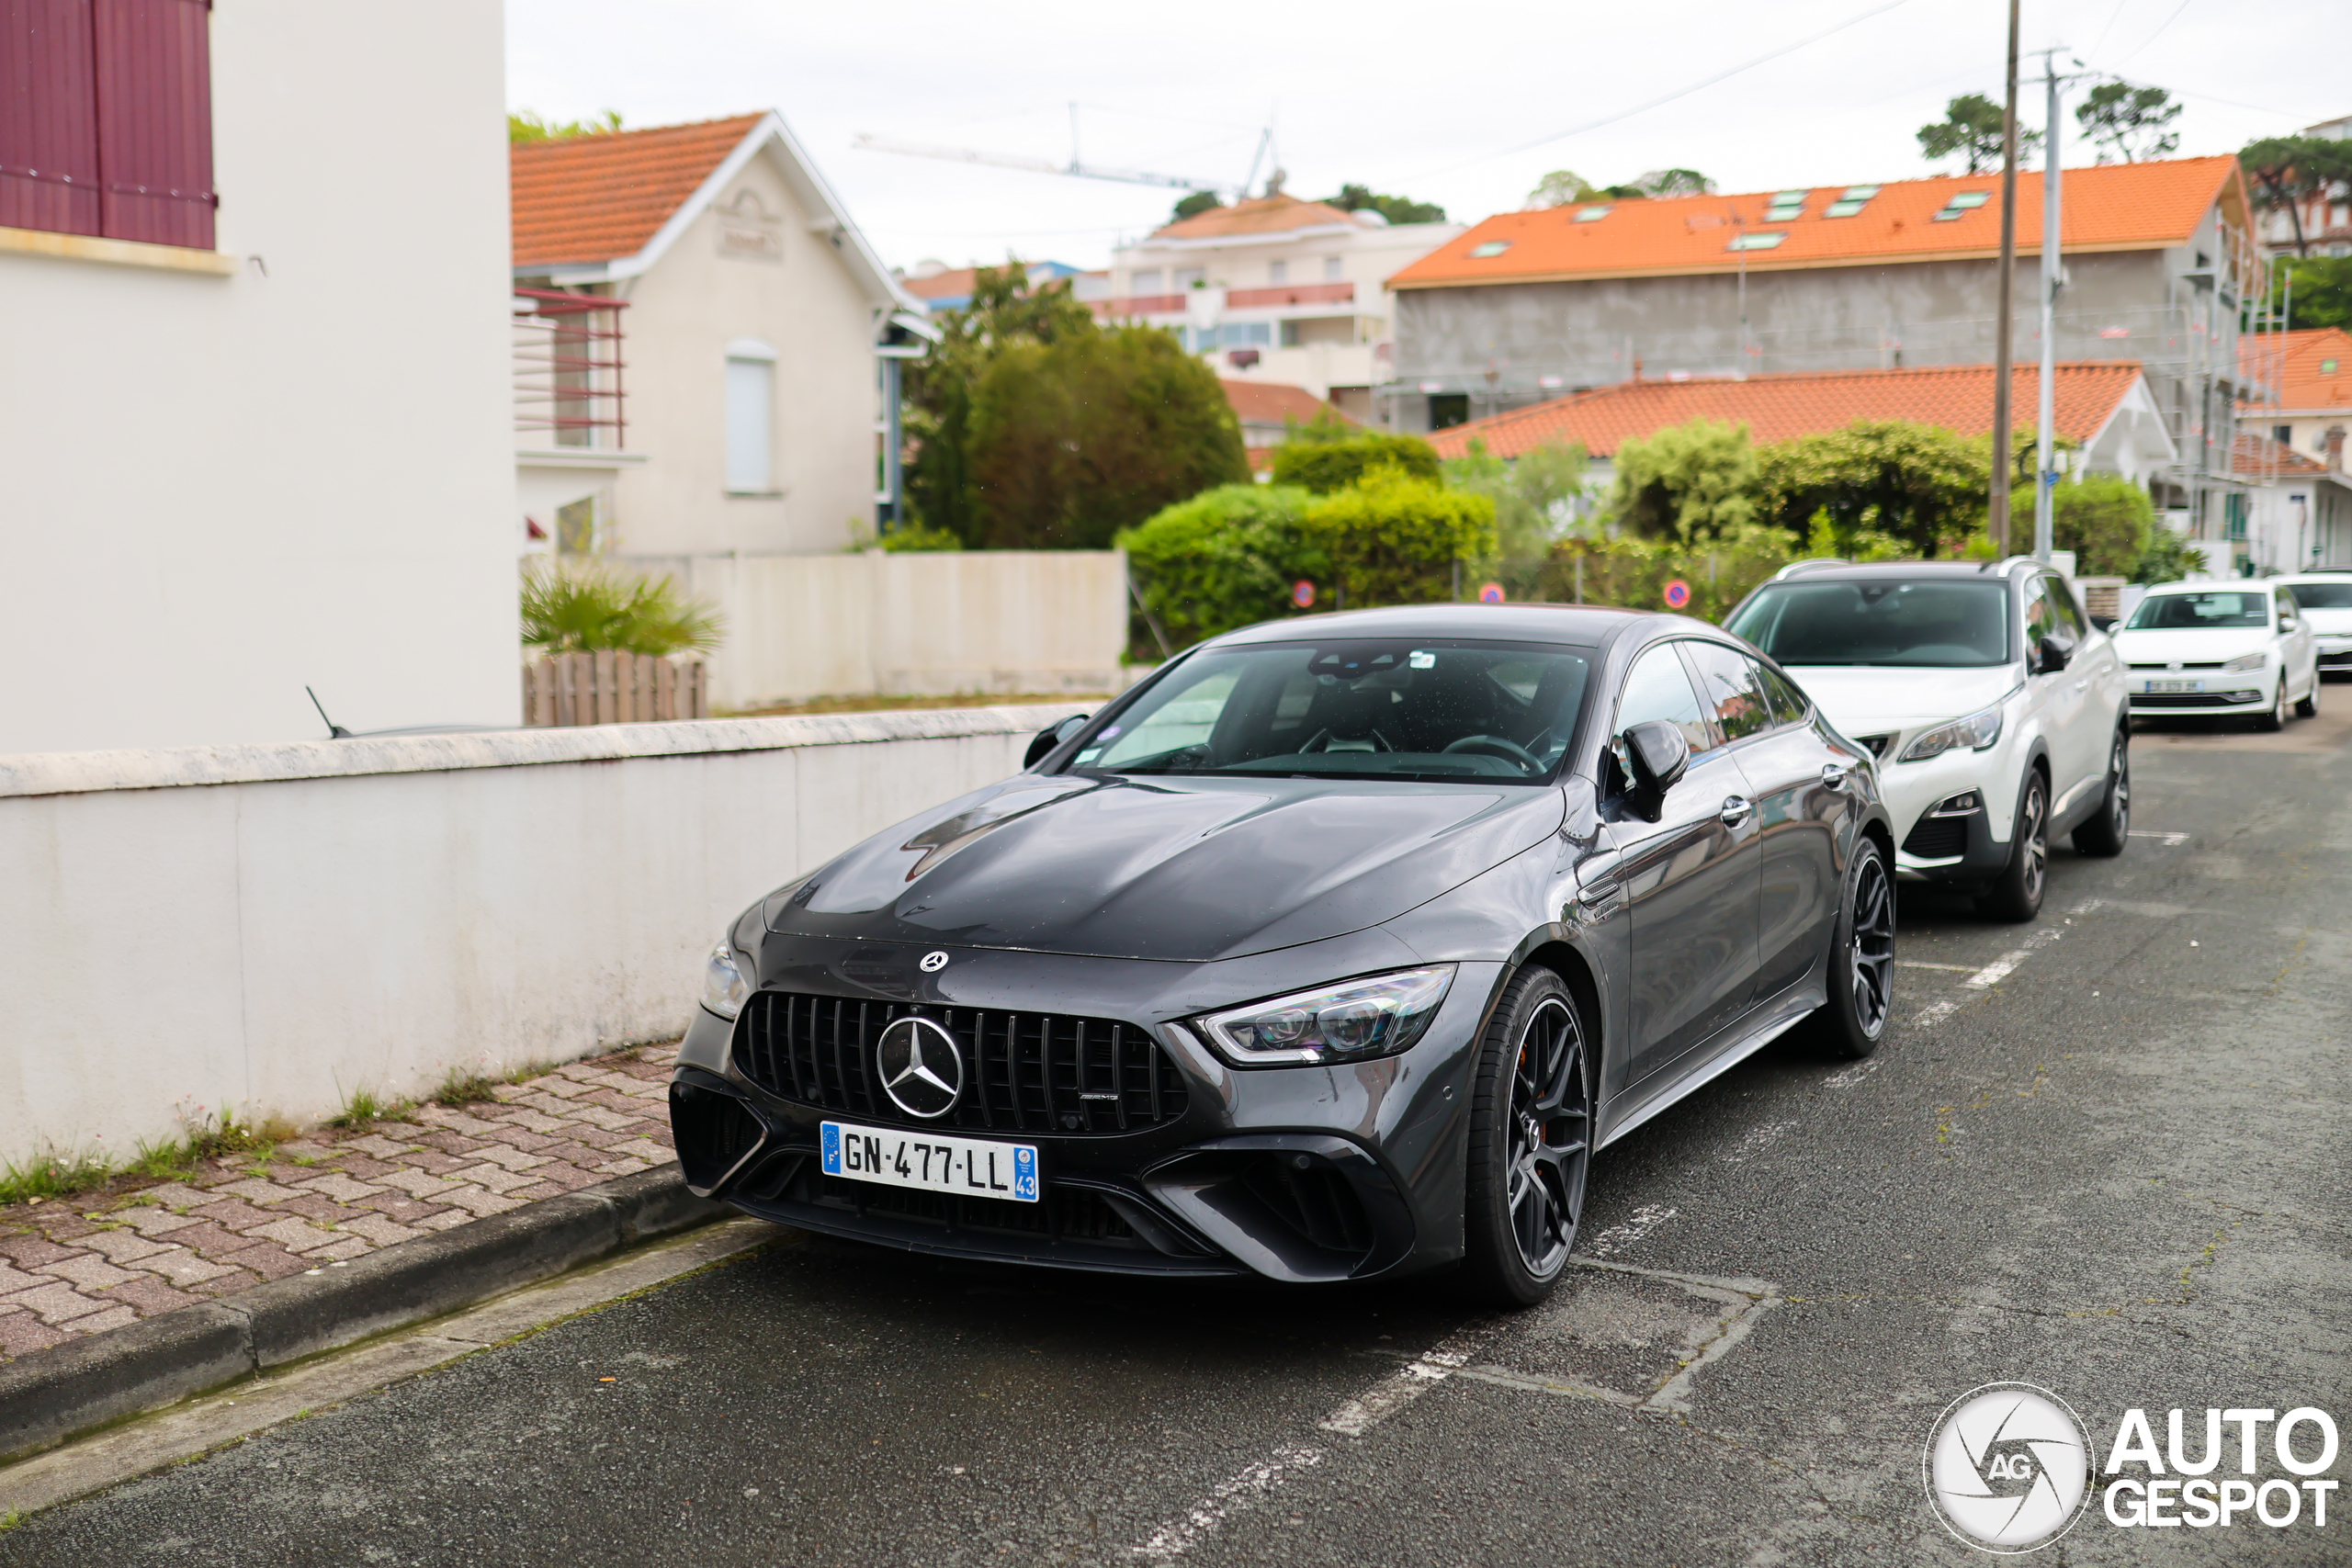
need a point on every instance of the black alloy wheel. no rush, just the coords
(1531, 1142)
(1861, 966)
(2016, 892)
(2108, 832)
(2276, 720)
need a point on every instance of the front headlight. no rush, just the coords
(723, 985)
(1978, 730)
(2245, 661)
(1353, 1022)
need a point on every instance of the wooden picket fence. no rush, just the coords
(612, 687)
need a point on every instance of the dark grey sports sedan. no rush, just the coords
(1333, 950)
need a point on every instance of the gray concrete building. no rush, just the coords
(1529, 305)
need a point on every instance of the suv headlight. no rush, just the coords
(1978, 730)
(1352, 1022)
(723, 985)
(2245, 661)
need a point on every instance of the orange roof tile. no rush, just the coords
(1274, 403)
(1258, 215)
(2108, 206)
(1778, 407)
(2259, 456)
(594, 199)
(2313, 367)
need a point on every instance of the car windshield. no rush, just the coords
(1937, 624)
(2183, 611)
(1427, 710)
(2323, 595)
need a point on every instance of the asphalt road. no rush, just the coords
(2121, 1169)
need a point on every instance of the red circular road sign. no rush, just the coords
(1490, 594)
(1678, 594)
(1302, 593)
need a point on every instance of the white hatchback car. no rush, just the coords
(2217, 650)
(2326, 600)
(1995, 707)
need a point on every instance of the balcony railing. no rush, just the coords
(567, 368)
(1290, 294)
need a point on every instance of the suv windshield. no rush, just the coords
(1388, 710)
(1939, 622)
(2323, 595)
(2176, 611)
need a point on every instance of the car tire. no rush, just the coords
(1862, 962)
(2275, 720)
(1531, 1144)
(2106, 833)
(2016, 894)
(2308, 706)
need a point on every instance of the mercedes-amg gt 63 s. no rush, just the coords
(1332, 950)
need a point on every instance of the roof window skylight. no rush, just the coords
(1785, 205)
(1763, 241)
(1963, 201)
(1491, 248)
(1852, 202)
(1594, 214)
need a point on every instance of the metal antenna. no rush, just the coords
(334, 730)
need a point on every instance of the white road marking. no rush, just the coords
(1856, 1073)
(1179, 1535)
(1356, 1417)
(1935, 1013)
(1757, 1141)
(2167, 840)
(1916, 964)
(1618, 1237)
(1993, 973)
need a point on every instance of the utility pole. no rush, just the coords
(2045, 497)
(1997, 513)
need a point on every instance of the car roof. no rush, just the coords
(1865, 571)
(2216, 585)
(1577, 625)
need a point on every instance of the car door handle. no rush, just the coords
(2083, 684)
(1833, 775)
(1737, 808)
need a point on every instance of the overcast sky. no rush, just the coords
(1459, 104)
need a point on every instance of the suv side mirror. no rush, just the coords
(1655, 757)
(2050, 656)
(1041, 746)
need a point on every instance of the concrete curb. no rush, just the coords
(55, 1394)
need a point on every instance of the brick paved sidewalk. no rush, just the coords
(75, 1266)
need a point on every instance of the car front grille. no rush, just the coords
(2186, 700)
(1938, 838)
(1066, 1213)
(1023, 1072)
(2214, 665)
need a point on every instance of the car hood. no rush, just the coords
(1883, 700)
(1180, 869)
(2196, 645)
(2329, 623)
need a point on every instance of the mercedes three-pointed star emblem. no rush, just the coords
(923, 1068)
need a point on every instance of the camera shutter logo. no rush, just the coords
(923, 1069)
(2007, 1468)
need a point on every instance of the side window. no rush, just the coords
(1658, 687)
(1731, 689)
(1789, 705)
(2069, 615)
(2041, 620)
(751, 417)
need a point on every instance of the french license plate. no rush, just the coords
(2174, 686)
(972, 1166)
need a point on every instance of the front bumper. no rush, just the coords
(1970, 848)
(2252, 696)
(1295, 1174)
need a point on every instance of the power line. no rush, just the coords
(1679, 93)
(2112, 16)
(2160, 31)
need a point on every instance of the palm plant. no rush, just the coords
(585, 608)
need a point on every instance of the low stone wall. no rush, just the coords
(270, 928)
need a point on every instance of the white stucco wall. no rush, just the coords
(683, 311)
(270, 928)
(217, 488)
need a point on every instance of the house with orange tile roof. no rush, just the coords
(2300, 388)
(707, 349)
(1274, 288)
(943, 288)
(1896, 273)
(2295, 513)
(1268, 410)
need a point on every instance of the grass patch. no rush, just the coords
(53, 1177)
(459, 1089)
(362, 1107)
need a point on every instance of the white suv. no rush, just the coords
(1995, 709)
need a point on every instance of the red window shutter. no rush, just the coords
(49, 118)
(155, 114)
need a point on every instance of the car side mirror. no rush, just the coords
(1042, 745)
(2050, 656)
(2103, 623)
(1655, 756)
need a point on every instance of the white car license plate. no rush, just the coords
(2174, 686)
(930, 1162)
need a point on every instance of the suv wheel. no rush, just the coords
(2106, 833)
(1531, 1139)
(2016, 892)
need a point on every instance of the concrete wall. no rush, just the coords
(216, 488)
(272, 927)
(803, 301)
(926, 623)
